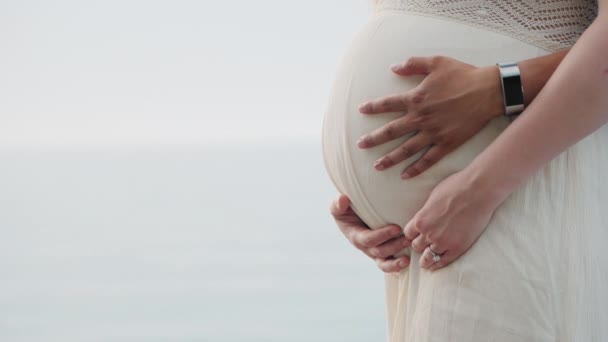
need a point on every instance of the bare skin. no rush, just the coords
(453, 102)
(534, 72)
(458, 209)
(378, 244)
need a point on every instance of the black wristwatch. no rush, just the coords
(512, 89)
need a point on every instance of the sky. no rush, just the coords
(146, 71)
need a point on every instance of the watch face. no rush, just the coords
(513, 92)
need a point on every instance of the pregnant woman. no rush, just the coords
(504, 221)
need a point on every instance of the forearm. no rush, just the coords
(571, 105)
(534, 75)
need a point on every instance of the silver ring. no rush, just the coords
(436, 256)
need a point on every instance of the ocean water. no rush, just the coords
(178, 243)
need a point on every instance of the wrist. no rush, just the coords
(488, 188)
(489, 78)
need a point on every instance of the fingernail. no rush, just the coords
(363, 107)
(402, 263)
(406, 175)
(378, 165)
(361, 141)
(396, 66)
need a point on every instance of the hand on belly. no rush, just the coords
(434, 114)
(453, 102)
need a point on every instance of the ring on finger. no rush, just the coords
(436, 256)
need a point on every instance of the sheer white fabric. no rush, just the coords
(550, 24)
(538, 272)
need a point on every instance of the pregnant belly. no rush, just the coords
(381, 197)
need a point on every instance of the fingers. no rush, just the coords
(446, 259)
(420, 243)
(392, 103)
(428, 159)
(410, 231)
(415, 66)
(426, 260)
(369, 238)
(344, 214)
(393, 130)
(409, 148)
(411, 234)
(393, 265)
(390, 247)
(401, 103)
(346, 219)
(340, 205)
(379, 244)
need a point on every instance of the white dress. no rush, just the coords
(539, 272)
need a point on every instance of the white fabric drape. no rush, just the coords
(539, 271)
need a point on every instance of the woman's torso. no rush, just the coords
(532, 275)
(396, 31)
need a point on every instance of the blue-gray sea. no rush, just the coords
(178, 243)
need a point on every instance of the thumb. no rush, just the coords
(413, 66)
